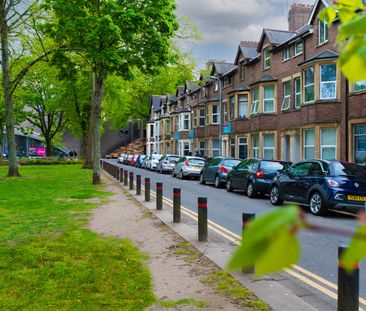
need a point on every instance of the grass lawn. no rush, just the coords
(49, 260)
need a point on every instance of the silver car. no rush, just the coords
(167, 163)
(153, 161)
(188, 166)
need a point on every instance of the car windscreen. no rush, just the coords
(196, 161)
(156, 157)
(273, 165)
(347, 169)
(172, 159)
(231, 163)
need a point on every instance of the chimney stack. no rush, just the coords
(298, 15)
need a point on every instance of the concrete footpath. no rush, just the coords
(217, 249)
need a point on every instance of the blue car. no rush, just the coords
(321, 185)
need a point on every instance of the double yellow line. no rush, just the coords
(326, 287)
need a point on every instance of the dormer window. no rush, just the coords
(266, 57)
(322, 32)
(299, 47)
(227, 81)
(286, 54)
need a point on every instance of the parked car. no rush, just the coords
(254, 175)
(121, 158)
(167, 163)
(128, 159)
(217, 169)
(153, 161)
(140, 159)
(188, 166)
(321, 185)
(145, 162)
(134, 159)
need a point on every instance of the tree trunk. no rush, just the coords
(1, 139)
(49, 147)
(8, 103)
(88, 143)
(96, 108)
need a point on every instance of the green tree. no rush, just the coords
(113, 36)
(42, 97)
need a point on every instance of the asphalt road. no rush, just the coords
(319, 250)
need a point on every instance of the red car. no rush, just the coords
(134, 159)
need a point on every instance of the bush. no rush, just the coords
(26, 161)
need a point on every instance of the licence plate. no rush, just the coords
(197, 167)
(356, 198)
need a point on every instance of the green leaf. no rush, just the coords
(261, 234)
(353, 4)
(283, 252)
(329, 14)
(352, 61)
(356, 250)
(345, 15)
(354, 27)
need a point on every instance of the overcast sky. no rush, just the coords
(224, 23)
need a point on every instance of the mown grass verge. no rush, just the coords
(49, 260)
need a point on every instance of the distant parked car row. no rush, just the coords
(319, 184)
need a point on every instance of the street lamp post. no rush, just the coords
(220, 110)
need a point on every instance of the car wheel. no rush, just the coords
(202, 180)
(250, 190)
(228, 186)
(317, 205)
(217, 181)
(274, 195)
(181, 176)
(173, 173)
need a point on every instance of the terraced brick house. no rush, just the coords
(284, 97)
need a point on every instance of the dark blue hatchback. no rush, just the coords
(321, 185)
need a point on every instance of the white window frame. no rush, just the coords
(232, 105)
(242, 141)
(304, 142)
(328, 146)
(254, 109)
(232, 144)
(216, 151)
(216, 114)
(286, 53)
(255, 148)
(243, 103)
(269, 99)
(327, 82)
(359, 84)
(216, 86)
(286, 101)
(269, 148)
(200, 149)
(184, 117)
(266, 58)
(298, 43)
(324, 32)
(297, 91)
(309, 85)
(201, 117)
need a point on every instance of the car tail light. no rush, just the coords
(259, 174)
(187, 163)
(332, 183)
(223, 169)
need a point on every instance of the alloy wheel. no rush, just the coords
(250, 190)
(202, 179)
(316, 203)
(228, 186)
(217, 181)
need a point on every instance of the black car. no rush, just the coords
(321, 185)
(217, 170)
(254, 175)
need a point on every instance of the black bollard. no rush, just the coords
(348, 285)
(176, 205)
(125, 178)
(159, 195)
(202, 219)
(147, 189)
(121, 175)
(131, 180)
(138, 184)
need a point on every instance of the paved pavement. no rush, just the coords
(314, 279)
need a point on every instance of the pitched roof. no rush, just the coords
(275, 37)
(265, 78)
(326, 54)
(156, 102)
(192, 86)
(315, 7)
(221, 68)
(240, 88)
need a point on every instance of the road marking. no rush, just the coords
(234, 238)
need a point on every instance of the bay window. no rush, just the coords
(215, 114)
(309, 85)
(328, 143)
(184, 122)
(268, 99)
(309, 148)
(268, 146)
(232, 107)
(359, 86)
(202, 117)
(255, 101)
(297, 83)
(286, 95)
(255, 145)
(243, 106)
(215, 148)
(359, 134)
(328, 81)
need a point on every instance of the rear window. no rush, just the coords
(273, 166)
(347, 169)
(231, 163)
(170, 159)
(196, 161)
(156, 157)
